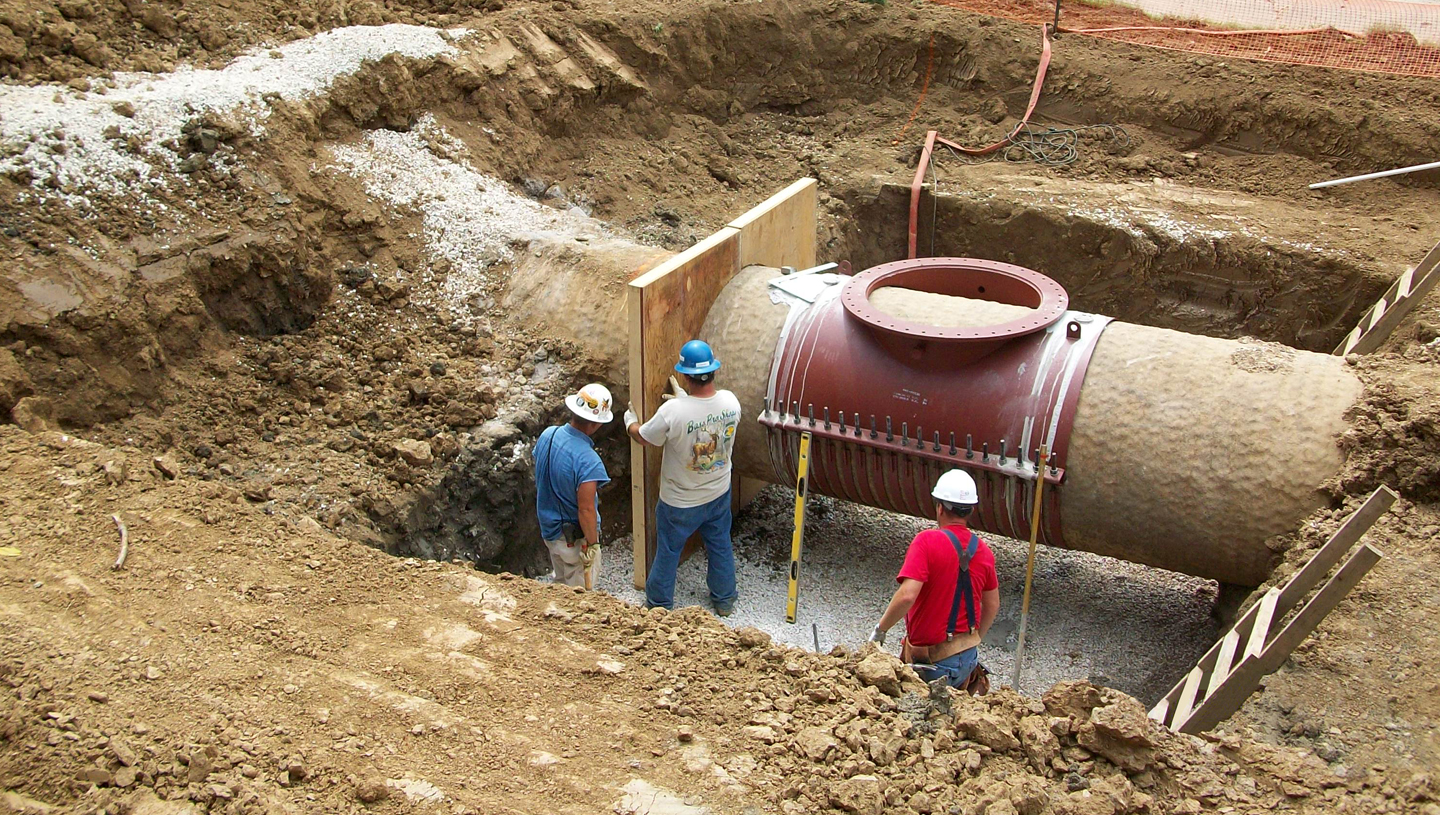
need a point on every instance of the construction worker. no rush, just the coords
(568, 472)
(697, 430)
(949, 592)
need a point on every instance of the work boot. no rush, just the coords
(724, 610)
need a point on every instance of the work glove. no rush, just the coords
(877, 636)
(630, 417)
(675, 390)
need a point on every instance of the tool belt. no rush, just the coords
(930, 654)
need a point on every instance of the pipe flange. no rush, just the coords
(958, 277)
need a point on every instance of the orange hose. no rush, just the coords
(932, 138)
(1030, 109)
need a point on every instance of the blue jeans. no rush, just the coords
(675, 525)
(954, 669)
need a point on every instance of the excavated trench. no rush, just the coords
(1166, 256)
(667, 129)
(1138, 263)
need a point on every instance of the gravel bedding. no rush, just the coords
(471, 221)
(1119, 624)
(72, 143)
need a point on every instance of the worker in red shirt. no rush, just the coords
(949, 592)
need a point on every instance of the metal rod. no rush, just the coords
(795, 411)
(889, 436)
(904, 434)
(827, 418)
(1434, 165)
(810, 409)
(765, 410)
(815, 629)
(1003, 455)
(969, 448)
(1029, 571)
(985, 451)
(953, 450)
(937, 444)
(873, 434)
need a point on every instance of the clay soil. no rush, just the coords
(304, 396)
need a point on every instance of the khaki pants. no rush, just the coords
(565, 559)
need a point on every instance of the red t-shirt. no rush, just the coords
(931, 559)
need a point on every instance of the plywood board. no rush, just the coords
(671, 302)
(638, 497)
(668, 305)
(780, 231)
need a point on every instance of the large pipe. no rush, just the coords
(1178, 451)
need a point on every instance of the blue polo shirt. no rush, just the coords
(565, 458)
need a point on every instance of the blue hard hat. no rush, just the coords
(696, 358)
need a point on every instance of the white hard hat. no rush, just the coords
(956, 487)
(591, 403)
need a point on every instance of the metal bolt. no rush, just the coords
(857, 425)
(904, 434)
(985, 451)
(889, 436)
(810, 408)
(795, 411)
(765, 411)
(937, 442)
(873, 434)
(919, 437)
(827, 418)
(1003, 452)
(969, 448)
(842, 422)
(953, 451)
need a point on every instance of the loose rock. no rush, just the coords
(371, 790)
(1122, 733)
(752, 637)
(860, 794)
(415, 453)
(878, 670)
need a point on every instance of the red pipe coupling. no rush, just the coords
(891, 404)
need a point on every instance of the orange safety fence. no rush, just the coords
(1381, 36)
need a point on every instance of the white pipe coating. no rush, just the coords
(1434, 165)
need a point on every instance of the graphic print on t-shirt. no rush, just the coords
(711, 440)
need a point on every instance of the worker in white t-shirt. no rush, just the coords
(697, 430)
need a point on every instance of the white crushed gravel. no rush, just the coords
(73, 143)
(1120, 624)
(470, 220)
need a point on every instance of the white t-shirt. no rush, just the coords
(699, 438)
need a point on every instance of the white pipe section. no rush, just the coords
(1434, 165)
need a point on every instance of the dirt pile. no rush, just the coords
(274, 667)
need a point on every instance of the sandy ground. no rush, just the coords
(847, 576)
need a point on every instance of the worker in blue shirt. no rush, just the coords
(568, 472)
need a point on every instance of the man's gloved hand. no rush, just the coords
(630, 417)
(877, 636)
(675, 390)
